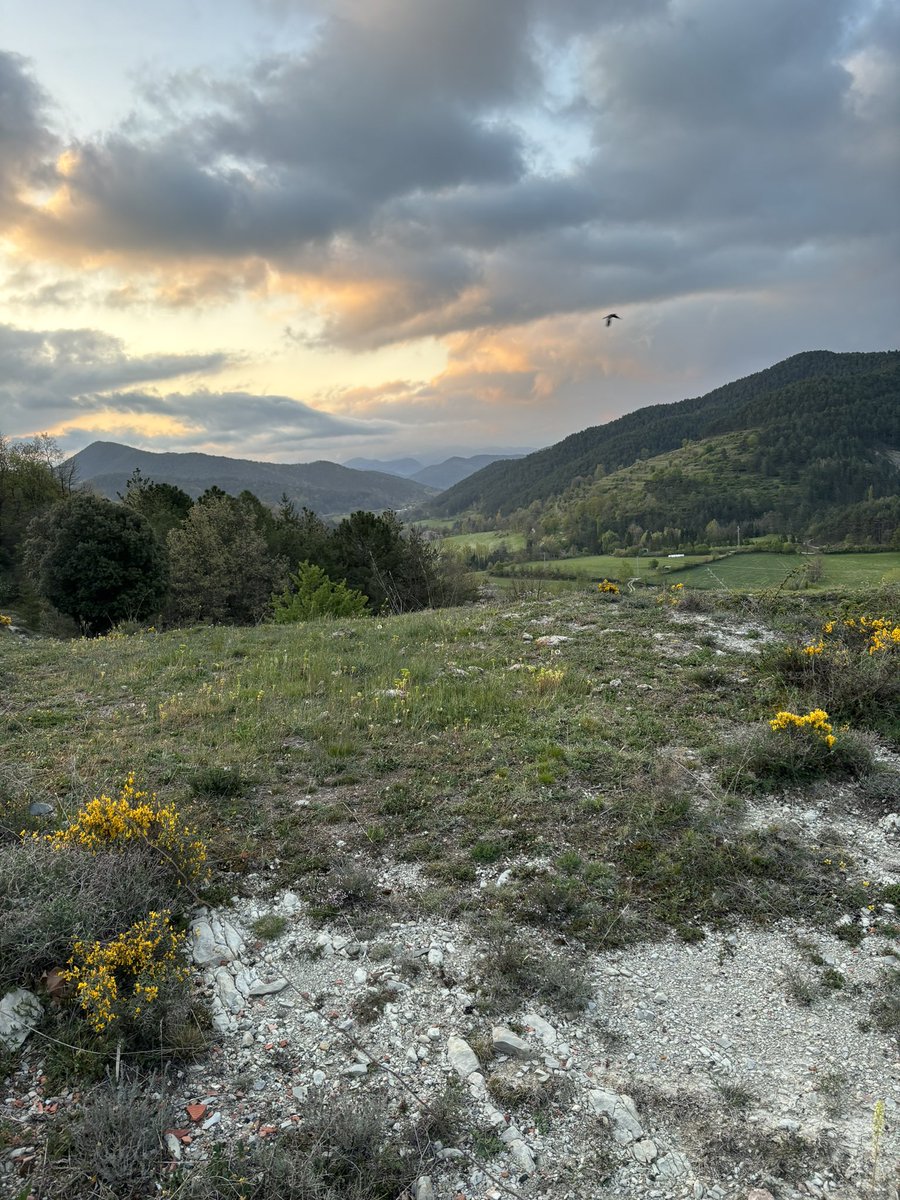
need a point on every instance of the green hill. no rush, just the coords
(325, 487)
(803, 439)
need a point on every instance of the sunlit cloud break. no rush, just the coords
(451, 195)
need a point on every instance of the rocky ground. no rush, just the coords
(695, 1071)
(741, 1067)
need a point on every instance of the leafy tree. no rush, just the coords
(311, 593)
(302, 536)
(31, 480)
(222, 569)
(96, 561)
(164, 505)
(397, 569)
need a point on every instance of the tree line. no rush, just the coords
(158, 555)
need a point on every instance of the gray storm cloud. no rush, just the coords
(50, 377)
(721, 148)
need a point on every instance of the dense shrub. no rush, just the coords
(97, 562)
(310, 593)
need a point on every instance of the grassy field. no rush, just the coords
(445, 738)
(596, 749)
(609, 566)
(485, 542)
(751, 572)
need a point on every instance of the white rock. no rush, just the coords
(522, 1157)
(205, 948)
(462, 1057)
(19, 1011)
(644, 1150)
(424, 1188)
(507, 1042)
(621, 1113)
(542, 1028)
(672, 1166)
(268, 987)
(233, 939)
(319, 1078)
(290, 904)
(232, 1000)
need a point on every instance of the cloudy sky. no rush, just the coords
(299, 229)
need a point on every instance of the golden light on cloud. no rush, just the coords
(109, 421)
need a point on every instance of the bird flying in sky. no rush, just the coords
(612, 317)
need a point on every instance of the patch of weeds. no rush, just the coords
(489, 851)
(709, 677)
(368, 1006)
(850, 933)
(347, 888)
(486, 1145)
(112, 1140)
(399, 800)
(75, 1053)
(340, 1150)
(269, 926)
(9, 1062)
(792, 754)
(846, 676)
(735, 1096)
(444, 901)
(799, 988)
(54, 897)
(511, 1089)
(409, 965)
(443, 1120)
(218, 783)
(879, 791)
(885, 1008)
(833, 979)
(810, 951)
(514, 970)
(834, 1088)
(452, 870)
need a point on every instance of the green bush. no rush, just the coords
(791, 755)
(97, 562)
(111, 1146)
(54, 897)
(311, 593)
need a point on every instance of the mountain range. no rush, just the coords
(791, 446)
(325, 487)
(438, 475)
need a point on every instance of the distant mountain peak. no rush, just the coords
(325, 487)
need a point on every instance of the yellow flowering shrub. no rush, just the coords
(119, 979)
(607, 588)
(5, 620)
(851, 666)
(814, 722)
(875, 635)
(136, 816)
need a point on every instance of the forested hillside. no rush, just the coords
(821, 424)
(325, 487)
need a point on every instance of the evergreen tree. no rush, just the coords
(97, 562)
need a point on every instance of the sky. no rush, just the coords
(303, 229)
